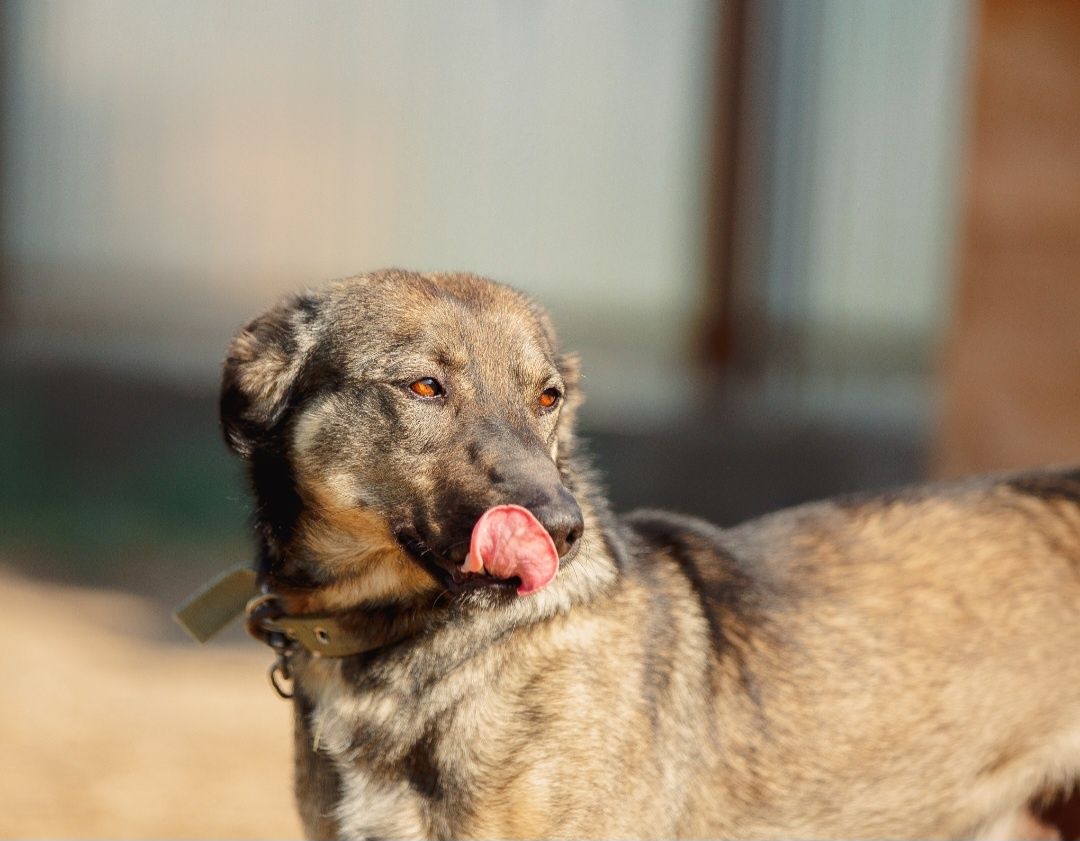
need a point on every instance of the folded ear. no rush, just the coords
(569, 366)
(262, 367)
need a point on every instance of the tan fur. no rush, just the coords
(902, 666)
(357, 555)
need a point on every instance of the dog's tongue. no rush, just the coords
(507, 541)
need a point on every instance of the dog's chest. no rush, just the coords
(404, 763)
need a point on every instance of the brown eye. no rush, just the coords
(427, 387)
(549, 397)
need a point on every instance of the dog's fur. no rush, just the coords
(894, 666)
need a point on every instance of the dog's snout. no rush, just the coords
(561, 516)
(532, 481)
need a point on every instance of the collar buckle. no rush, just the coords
(261, 614)
(280, 674)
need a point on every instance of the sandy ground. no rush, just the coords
(107, 730)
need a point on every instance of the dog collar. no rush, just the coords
(237, 592)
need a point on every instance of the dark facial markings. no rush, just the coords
(420, 402)
(434, 427)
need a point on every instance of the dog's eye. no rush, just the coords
(426, 387)
(549, 397)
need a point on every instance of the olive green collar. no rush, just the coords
(236, 592)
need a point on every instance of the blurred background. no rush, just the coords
(803, 248)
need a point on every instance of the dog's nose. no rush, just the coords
(561, 517)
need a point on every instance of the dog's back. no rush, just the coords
(912, 655)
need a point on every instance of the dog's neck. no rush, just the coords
(307, 583)
(338, 618)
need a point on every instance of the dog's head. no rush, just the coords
(383, 415)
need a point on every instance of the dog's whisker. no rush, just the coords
(442, 593)
(456, 544)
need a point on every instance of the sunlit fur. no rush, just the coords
(897, 666)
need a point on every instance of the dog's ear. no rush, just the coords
(261, 369)
(569, 366)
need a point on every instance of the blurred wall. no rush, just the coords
(168, 169)
(172, 167)
(850, 135)
(1011, 374)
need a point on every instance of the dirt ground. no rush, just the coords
(111, 728)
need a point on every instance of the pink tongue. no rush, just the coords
(507, 541)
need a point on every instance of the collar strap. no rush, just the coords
(322, 635)
(236, 592)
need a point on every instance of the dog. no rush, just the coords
(904, 665)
